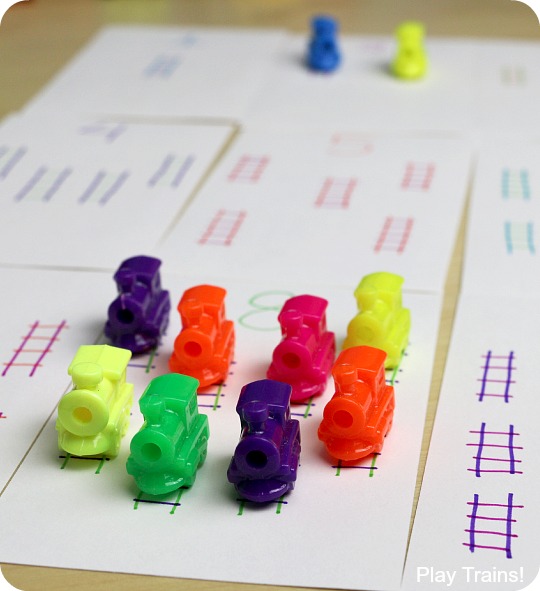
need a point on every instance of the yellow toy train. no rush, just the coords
(94, 416)
(381, 322)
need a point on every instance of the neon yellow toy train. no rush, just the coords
(94, 416)
(382, 321)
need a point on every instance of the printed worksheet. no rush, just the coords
(45, 316)
(504, 222)
(336, 513)
(478, 518)
(109, 188)
(164, 72)
(327, 207)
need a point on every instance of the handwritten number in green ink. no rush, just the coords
(264, 310)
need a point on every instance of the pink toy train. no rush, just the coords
(305, 355)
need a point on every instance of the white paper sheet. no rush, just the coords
(65, 514)
(504, 222)
(107, 189)
(327, 207)
(164, 72)
(478, 500)
(478, 517)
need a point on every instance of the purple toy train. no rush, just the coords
(305, 355)
(139, 315)
(265, 461)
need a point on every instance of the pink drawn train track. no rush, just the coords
(223, 227)
(418, 176)
(394, 234)
(248, 169)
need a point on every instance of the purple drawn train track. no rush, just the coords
(491, 525)
(171, 171)
(495, 451)
(497, 378)
(9, 158)
(44, 184)
(162, 66)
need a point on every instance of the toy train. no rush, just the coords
(138, 317)
(94, 416)
(172, 443)
(265, 461)
(359, 416)
(205, 346)
(381, 322)
(305, 355)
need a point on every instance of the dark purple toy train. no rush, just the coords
(139, 315)
(265, 461)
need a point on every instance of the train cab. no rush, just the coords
(265, 462)
(205, 346)
(138, 317)
(94, 416)
(358, 417)
(382, 321)
(304, 357)
(172, 443)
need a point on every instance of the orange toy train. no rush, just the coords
(205, 346)
(359, 415)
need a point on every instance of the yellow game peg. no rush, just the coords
(411, 60)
